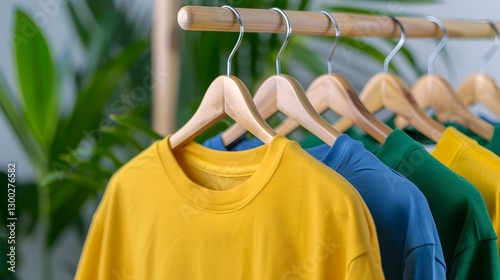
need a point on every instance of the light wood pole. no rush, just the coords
(165, 56)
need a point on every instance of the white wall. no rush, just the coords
(466, 55)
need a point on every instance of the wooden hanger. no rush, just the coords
(284, 94)
(226, 96)
(332, 91)
(480, 87)
(433, 91)
(393, 94)
(386, 90)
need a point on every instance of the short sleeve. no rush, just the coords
(417, 264)
(364, 267)
(479, 261)
(108, 246)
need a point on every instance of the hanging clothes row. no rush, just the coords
(326, 207)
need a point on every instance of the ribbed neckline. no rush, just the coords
(449, 146)
(395, 147)
(454, 144)
(259, 164)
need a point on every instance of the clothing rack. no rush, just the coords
(202, 18)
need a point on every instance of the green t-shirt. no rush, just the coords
(467, 235)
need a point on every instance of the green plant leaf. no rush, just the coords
(35, 72)
(99, 44)
(367, 50)
(21, 128)
(307, 57)
(303, 5)
(100, 8)
(83, 32)
(71, 176)
(136, 124)
(282, 4)
(26, 203)
(68, 198)
(122, 135)
(128, 142)
(93, 99)
(406, 53)
(109, 154)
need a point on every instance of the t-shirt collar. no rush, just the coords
(259, 164)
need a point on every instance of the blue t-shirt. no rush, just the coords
(408, 239)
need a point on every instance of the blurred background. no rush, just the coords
(76, 79)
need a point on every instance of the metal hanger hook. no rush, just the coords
(398, 47)
(240, 38)
(335, 43)
(440, 46)
(287, 38)
(489, 54)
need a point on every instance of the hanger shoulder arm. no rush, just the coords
(210, 111)
(265, 102)
(349, 105)
(293, 102)
(370, 97)
(317, 96)
(398, 98)
(341, 97)
(480, 88)
(226, 96)
(429, 91)
(467, 90)
(241, 108)
(452, 109)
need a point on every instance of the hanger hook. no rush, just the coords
(287, 38)
(440, 46)
(489, 54)
(398, 47)
(335, 43)
(240, 38)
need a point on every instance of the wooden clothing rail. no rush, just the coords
(203, 18)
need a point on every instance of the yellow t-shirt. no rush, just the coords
(475, 163)
(273, 212)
